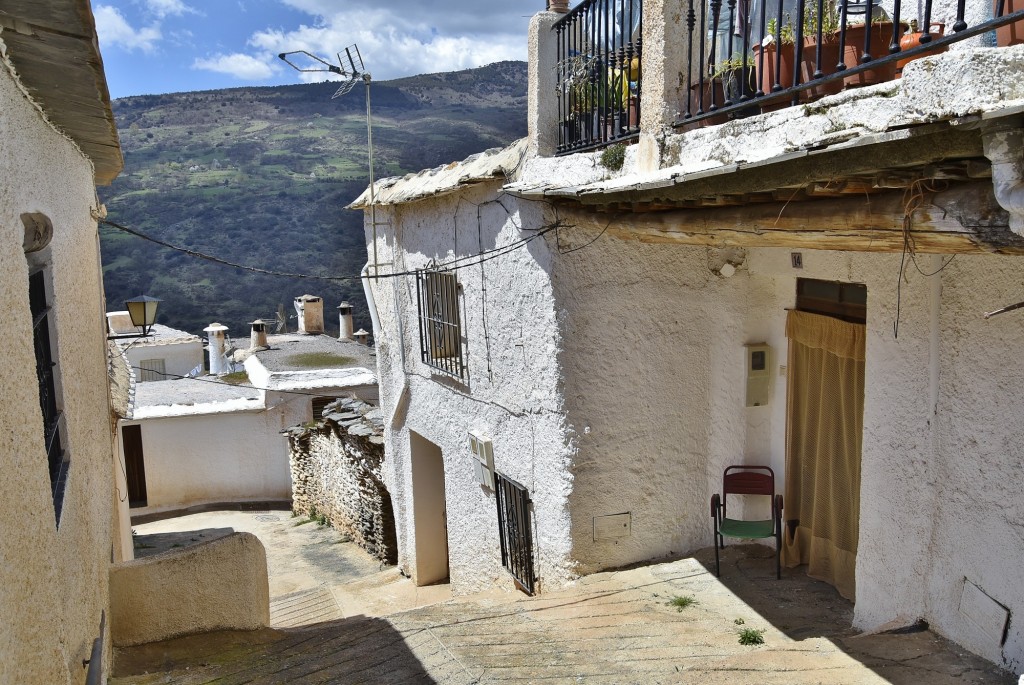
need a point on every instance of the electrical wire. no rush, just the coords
(913, 199)
(451, 265)
(175, 376)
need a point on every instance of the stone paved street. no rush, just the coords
(616, 627)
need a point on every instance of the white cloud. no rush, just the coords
(241, 66)
(394, 44)
(169, 8)
(115, 31)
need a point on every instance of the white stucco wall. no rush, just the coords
(236, 456)
(179, 358)
(513, 391)
(53, 577)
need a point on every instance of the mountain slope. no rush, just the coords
(260, 176)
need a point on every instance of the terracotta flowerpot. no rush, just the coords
(829, 60)
(881, 35)
(1010, 34)
(769, 73)
(713, 93)
(913, 39)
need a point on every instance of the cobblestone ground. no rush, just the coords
(617, 627)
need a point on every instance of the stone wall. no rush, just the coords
(336, 471)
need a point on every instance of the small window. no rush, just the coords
(846, 301)
(440, 323)
(44, 339)
(152, 370)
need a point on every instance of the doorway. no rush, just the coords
(430, 522)
(134, 465)
(824, 429)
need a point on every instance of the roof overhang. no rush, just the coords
(54, 49)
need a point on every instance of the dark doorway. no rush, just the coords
(135, 467)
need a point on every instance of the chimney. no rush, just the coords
(558, 6)
(362, 336)
(218, 342)
(311, 314)
(259, 334)
(345, 317)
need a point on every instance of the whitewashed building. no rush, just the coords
(801, 283)
(216, 439)
(58, 512)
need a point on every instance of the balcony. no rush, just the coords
(714, 61)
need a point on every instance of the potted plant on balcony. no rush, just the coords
(774, 59)
(1012, 33)
(881, 31)
(810, 65)
(724, 83)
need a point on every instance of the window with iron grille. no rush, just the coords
(44, 340)
(152, 370)
(440, 322)
(515, 532)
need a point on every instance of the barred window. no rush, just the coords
(440, 322)
(152, 370)
(44, 341)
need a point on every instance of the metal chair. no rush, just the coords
(747, 480)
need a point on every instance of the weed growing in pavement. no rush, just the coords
(750, 636)
(682, 602)
(739, 621)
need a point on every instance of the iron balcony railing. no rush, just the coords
(748, 56)
(598, 74)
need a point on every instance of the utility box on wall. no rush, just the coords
(482, 451)
(759, 377)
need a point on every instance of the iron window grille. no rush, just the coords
(46, 372)
(515, 531)
(440, 323)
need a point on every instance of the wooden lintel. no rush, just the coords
(964, 219)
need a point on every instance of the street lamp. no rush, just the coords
(142, 311)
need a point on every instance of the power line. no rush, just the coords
(174, 376)
(452, 265)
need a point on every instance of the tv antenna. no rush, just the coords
(351, 74)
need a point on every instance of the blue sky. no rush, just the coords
(164, 46)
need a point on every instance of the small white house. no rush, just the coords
(165, 354)
(216, 439)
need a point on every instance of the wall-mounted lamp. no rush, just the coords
(142, 311)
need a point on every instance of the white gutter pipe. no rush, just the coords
(1004, 146)
(402, 403)
(371, 303)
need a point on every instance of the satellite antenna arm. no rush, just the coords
(327, 66)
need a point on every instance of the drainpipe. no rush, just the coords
(1004, 146)
(398, 413)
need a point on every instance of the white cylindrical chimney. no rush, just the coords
(345, 319)
(311, 314)
(218, 343)
(259, 334)
(362, 337)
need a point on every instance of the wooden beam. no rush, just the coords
(963, 219)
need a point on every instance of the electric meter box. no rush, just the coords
(482, 452)
(759, 376)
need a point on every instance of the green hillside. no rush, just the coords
(261, 176)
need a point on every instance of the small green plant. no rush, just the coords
(681, 602)
(319, 360)
(302, 523)
(739, 621)
(236, 378)
(614, 156)
(751, 636)
(321, 519)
